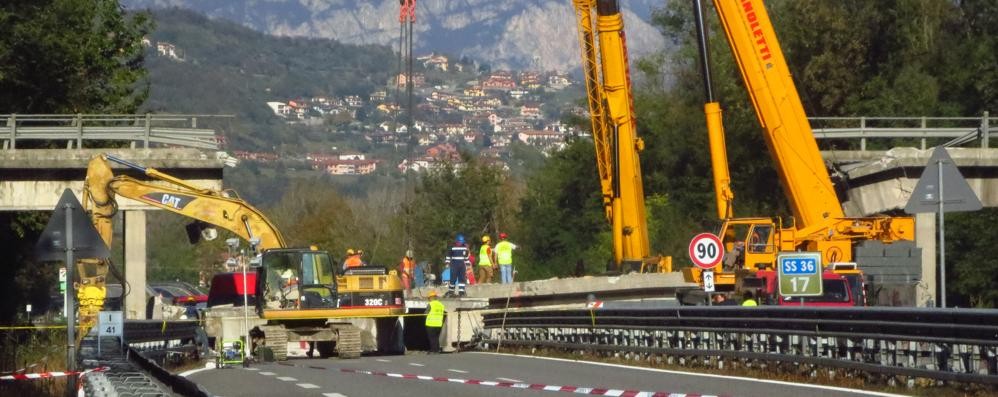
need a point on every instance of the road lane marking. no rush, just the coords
(416, 365)
(251, 369)
(307, 386)
(458, 371)
(515, 385)
(267, 373)
(726, 377)
(510, 380)
(333, 395)
(287, 379)
(382, 360)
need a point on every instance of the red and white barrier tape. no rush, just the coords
(593, 391)
(48, 375)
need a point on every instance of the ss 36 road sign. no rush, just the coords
(800, 274)
(705, 251)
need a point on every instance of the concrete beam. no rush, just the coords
(33, 180)
(880, 182)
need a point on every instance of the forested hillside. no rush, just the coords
(225, 68)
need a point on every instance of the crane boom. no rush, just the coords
(781, 114)
(611, 107)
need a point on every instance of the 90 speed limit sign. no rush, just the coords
(705, 251)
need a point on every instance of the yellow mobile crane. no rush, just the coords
(819, 223)
(611, 108)
(299, 295)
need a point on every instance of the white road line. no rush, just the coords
(251, 369)
(727, 377)
(267, 373)
(510, 380)
(287, 379)
(458, 371)
(307, 386)
(333, 395)
(416, 365)
(382, 360)
(194, 371)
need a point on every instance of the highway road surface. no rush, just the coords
(483, 374)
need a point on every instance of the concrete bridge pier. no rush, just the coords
(925, 238)
(135, 264)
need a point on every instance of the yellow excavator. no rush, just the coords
(819, 223)
(611, 109)
(300, 297)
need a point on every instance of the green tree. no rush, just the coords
(458, 198)
(69, 56)
(60, 56)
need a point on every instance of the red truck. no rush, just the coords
(838, 290)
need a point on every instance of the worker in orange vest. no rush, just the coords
(352, 260)
(407, 267)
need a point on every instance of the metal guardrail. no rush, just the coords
(141, 129)
(958, 130)
(138, 331)
(950, 345)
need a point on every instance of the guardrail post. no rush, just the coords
(145, 140)
(862, 133)
(924, 125)
(12, 124)
(79, 130)
(985, 130)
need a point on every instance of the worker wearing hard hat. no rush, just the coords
(407, 268)
(457, 255)
(504, 256)
(486, 261)
(434, 321)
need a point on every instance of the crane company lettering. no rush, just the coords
(760, 39)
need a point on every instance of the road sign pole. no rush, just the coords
(942, 240)
(70, 305)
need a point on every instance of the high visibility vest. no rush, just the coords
(484, 257)
(435, 317)
(504, 252)
(352, 261)
(408, 264)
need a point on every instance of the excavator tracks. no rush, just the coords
(276, 338)
(348, 343)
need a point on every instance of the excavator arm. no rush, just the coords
(219, 208)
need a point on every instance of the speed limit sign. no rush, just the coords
(705, 251)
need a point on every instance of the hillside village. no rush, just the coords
(487, 113)
(483, 115)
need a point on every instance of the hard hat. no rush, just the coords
(432, 294)
(485, 239)
(502, 235)
(350, 251)
(408, 253)
(460, 238)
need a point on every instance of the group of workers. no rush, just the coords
(459, 260)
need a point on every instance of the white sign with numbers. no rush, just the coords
(705, 251)
(109, 324)
(708, 281)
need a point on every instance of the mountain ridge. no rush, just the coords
(538, 34)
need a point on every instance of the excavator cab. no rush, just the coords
(296, 279)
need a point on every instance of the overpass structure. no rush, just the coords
(877, 182)
(34, 179)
